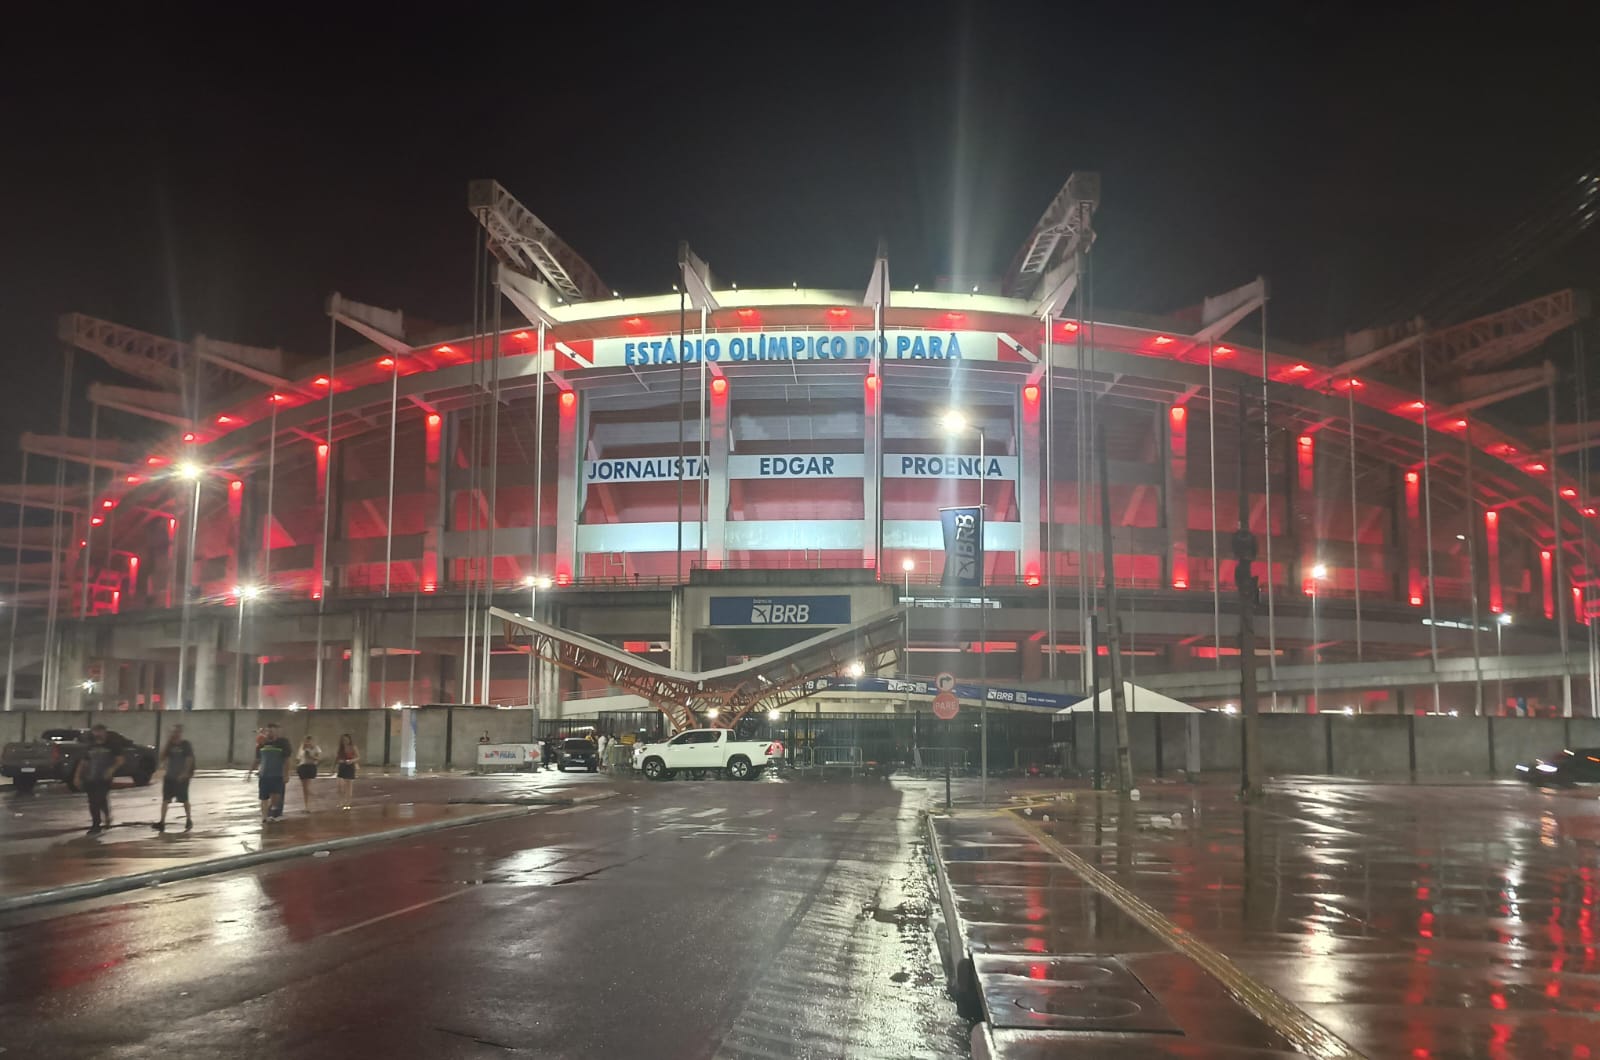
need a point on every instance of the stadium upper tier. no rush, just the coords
(811, 434)
(573, 436)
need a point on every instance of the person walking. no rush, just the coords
(344, 766)
(92, 775)
(306, 768)
(272, 763)
(177, 758)
(605, 744)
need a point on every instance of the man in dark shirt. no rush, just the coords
(177, 758)
(96, 766)
(272, 763)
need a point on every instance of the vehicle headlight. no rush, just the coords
(1545, 767)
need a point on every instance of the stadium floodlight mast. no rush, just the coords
(956, 423)
(188, 471)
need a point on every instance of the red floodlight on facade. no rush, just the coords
(719, 386)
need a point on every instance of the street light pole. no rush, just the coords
(244, 594)
(1318, 572)
(1502, 621)
(534, 583)
(955, 423)
(191, 472)
(907, 565)
(983, 628)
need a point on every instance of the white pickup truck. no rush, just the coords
(696, 749)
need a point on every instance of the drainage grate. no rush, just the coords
(1068, 993)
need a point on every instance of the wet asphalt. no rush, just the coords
(1420, 921)
(685, 919)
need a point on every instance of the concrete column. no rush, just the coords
(1411, 539)
(717, 485)
(169, 685)
(1030, 457)
(569, 454)
(172, 562)
(232, 677)
(678, 637)
(1032, 660)
(871, 471)
(205, 665)
(319, 468)
(360, 658)
(1175, 495)
(147, 683)
(434, 487)
(235, 557)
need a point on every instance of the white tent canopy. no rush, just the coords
(1137, 700)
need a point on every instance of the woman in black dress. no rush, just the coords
(345, 760)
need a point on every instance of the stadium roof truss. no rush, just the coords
(766, 683)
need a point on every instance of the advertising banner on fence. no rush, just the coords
(963, 545)
(507, 754)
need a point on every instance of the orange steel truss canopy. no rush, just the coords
(766, 683)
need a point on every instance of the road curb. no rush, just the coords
(958, 968)
(233, 862)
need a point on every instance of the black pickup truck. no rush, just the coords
(54, 756)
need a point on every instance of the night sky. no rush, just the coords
(189, 175)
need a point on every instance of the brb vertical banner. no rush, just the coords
(963, 545)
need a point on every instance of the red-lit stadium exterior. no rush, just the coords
(807, 427)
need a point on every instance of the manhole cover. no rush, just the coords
(1087, 993)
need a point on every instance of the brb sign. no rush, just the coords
(780, 610)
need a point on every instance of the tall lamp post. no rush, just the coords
(244, 594)
(956, 423)
(189, 472)
(1501, 622)
(1318, 572)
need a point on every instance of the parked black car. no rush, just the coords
(578, 753)
(54, 756)
(1579, 765)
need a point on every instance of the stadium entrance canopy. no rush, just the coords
(722, 697)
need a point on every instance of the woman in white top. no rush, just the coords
(310, 755)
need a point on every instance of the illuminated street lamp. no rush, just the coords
(956, 423)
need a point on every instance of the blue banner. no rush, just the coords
(780, 610)
(1017, 697)
(963, 545)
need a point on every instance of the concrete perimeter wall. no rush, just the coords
(447, 737)
(1338, 745)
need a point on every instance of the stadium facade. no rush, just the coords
(714, 472)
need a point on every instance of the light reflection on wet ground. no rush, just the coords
(1415, 921)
